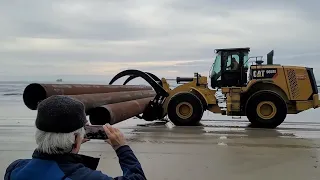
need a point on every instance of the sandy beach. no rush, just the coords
(221, 148)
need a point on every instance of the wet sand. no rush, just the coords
(222, 149)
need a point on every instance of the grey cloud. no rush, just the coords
(38, 18)
(166, 30)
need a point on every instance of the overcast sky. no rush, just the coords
(94, 39)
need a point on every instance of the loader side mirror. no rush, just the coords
(270, 58)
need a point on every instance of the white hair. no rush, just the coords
(56, 143)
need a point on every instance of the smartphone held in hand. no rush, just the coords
(95, 132)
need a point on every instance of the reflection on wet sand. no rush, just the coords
(228, 149)
(224, 149)
(165, 132)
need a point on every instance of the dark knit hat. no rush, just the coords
(60, 114)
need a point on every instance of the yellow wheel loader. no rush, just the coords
(264, 93)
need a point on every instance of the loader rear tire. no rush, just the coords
(266, 109)
(185, 109)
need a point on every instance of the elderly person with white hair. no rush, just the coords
(60, 132)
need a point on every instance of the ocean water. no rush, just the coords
(14, 112)
(11, 91)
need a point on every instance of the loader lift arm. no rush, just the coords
(131, 77)
(137, 73)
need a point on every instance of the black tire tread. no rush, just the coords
(263, 95)
(197, 109)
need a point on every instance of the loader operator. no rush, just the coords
(60, 130)
(234, 64)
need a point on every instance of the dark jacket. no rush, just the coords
(72, 166)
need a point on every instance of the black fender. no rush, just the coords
(133, 72)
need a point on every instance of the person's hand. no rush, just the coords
(115, 137)
(85, 139)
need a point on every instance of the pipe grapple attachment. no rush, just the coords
(154, 110)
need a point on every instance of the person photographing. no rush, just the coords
(59, 134)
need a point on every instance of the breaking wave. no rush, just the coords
(12, 94)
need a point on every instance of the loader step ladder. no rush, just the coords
(232, 116)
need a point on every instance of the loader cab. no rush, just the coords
(230, 67)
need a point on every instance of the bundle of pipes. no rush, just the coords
(117, 112)
(103, 103)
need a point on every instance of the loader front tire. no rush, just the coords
(185, 109)
(266, 109)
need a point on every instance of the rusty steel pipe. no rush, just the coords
(35, 92)
(117, 112)
(91, 101)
